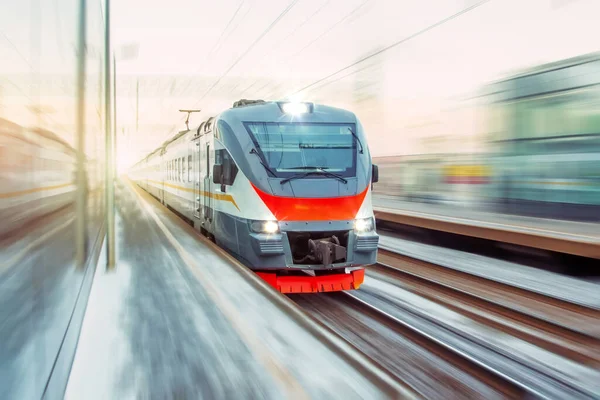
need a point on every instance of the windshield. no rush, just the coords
(290, 148)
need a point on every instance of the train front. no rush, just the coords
(311, 226)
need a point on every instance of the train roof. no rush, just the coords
(507, 88)
(270, 111)
(264, 111)
(52, 136)
(551, 66)
(15, 129)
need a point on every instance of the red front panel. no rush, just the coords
(313, 209)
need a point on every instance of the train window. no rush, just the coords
(182, 174)
(229, 168)
(189, 168)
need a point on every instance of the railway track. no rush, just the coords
(565, 328)
(412, 316)
(429, 366)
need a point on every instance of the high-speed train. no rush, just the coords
(285, 187)
(37, 170)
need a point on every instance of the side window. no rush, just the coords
(182, 162)
(229, 168)
(189, 168)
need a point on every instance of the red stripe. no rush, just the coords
(313, 209)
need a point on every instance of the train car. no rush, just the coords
(36, 174)
(284, 187)
(544, 134)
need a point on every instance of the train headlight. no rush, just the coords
(295, 108)
(363, 225)
(264, 226)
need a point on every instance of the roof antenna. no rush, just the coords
(187, 120)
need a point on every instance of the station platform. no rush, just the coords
(578, 238)
(179, 318)
(40, 287)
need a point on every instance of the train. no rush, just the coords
(284, 187)
(544, 140)
(37, 175)
(540, 149)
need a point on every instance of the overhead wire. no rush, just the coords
(16, 49)
(285, 39)
(256, 41)
(232, 30)
(328, 30)
(226, 27)
(391, 46)
(262, 35)
(332, 27)
(216, 46)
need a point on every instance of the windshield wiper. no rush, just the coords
(357, 139)
(253, 151)
(307, 167)
(315, 172)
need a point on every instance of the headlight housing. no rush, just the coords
(294, 108)
(264, 226)
(362, 225)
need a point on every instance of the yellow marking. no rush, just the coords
(34, 190)
(216, 196)
(467, 170)
(284, 377)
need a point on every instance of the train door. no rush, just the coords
(196, 176)
(207, 189)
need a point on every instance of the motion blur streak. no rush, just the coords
(45, 255)
(480, 118)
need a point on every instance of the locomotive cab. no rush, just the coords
(307, 178)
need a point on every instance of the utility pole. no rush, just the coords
(137, 105)
(110, 189)
(114, 157)
(81, 193)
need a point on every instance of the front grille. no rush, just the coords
(367, 243)
(271, 247)
(299, 243)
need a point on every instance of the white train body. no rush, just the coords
(279, 191)
(37, 171)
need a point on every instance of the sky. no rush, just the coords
(208, 54)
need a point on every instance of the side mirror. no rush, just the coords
(217, 173)
(375, 174)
